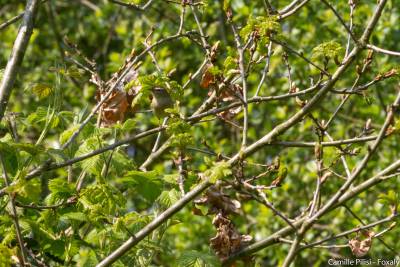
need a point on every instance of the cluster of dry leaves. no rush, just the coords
(116, 106)
(360, 247)
(228, 240)
(225, 90)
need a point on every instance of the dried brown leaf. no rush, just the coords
(359, 247)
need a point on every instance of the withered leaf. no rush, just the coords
(227, 240)
(359, 247)
(207, 79)
(114, 108)
(218, 202)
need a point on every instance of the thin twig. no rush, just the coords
(14, 214)
(265, 70)
(348, 29)
(182, 18)
(244, 84)
(291, 50)
(15, 19)
(292, 10)
(133, 6)
(11, 21)
(357, 229)
(376, 236)
(352, 5)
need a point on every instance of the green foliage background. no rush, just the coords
(52, 96)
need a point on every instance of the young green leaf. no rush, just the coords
(42, 90)
(219, 171)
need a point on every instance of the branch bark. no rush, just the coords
(17, 54)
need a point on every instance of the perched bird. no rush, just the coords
(161, 101)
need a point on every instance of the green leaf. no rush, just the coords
(175, 90)
(56, 154)
(10, 158)
(42, 90)
(148, 82)
(181, 140)
(120, 162)
(40, 115)
(129, 125)
(390, 198)
(138, 99)
(227, 5)
(197, 259)
(178, 126)
(219, 171)
(148, 184)
(102, 199)
(171, 178)
(45, 237)
(29, 190)
(132, 222)
(66, 135)
(74, 216)
(168, 198)
(74, 72)
(328, 50)
(5, 256)
(214, 70)
(265, 26)
(86, 258)
(29, 148)
(93, 164)
(229, 64)
(60, 191)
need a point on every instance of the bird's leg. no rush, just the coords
(157, 143)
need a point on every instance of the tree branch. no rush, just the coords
(160, 219)
(383, 51)
(17, 54)
(14, 214)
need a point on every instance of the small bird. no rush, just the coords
(161, 101)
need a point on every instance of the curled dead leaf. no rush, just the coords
(229, 94)
(227, 240)
(208, 78)
(218, 202)
(116, 106)
(359, 247)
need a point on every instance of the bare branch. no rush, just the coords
(14, 214)
(17, 55)
(11, 21)
(160, 219)
(348, 29)
(357, 229)
(291, 50)
(292, 9)
(383, 51)
(133, 6)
